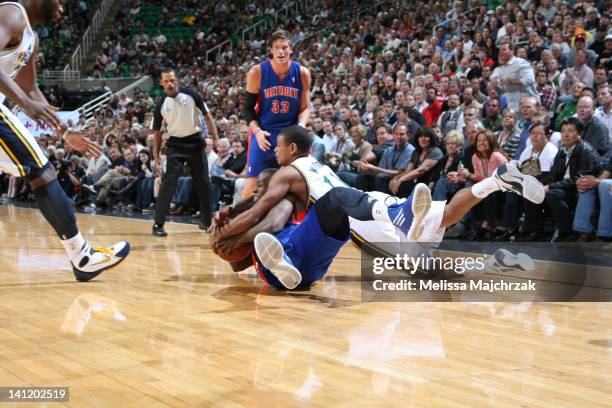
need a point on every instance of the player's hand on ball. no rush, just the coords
(223, 215)
(227, 246)
(262, 141)
(213, 241)
(78, 141)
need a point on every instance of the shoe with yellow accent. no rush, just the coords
(93, 261)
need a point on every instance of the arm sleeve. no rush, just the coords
(157, 116)
(249, 107)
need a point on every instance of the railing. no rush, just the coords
(218, 49)
(146, 80)
(443, 23)
(94, 105)
(261, 25)
(63, 75)
(80, 53)
(93, 84)
(101, 101)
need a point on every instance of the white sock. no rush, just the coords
(485, 187)
(380, 211)
(74, 246)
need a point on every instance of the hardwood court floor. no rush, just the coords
(173, 326)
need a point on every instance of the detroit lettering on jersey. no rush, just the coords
(281, 91)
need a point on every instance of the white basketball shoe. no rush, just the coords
(92, 261)
(509, 178)
(271, 253)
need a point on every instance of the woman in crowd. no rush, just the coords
(146, 179)
(445, 183)
(354, 157)
(486, 160)
(344, 145)
(421, 166)
(509, 138)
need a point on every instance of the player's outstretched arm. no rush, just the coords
(278, 188)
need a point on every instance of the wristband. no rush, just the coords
(301, 125)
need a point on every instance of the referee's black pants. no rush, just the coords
(176, 156)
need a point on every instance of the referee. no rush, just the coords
(180, 109)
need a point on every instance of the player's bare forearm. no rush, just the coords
(212, 127)
(253, 125)
(304, 114)
(37, 95)
(12, 91)
(303, 117)
(242, 205)
(279, 187)
(157, 141)
(273, 222)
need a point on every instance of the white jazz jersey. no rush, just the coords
(13, 59)
(320, 179)
(19, 151)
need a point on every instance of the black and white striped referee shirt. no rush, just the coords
(181, 114)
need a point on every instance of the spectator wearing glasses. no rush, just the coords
(445, 180)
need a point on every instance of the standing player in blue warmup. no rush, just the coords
(20, 154)
(277, 96)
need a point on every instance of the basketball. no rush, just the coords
(240, 253)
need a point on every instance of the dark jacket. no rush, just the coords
(441, 171)
(583, 161)
(236, 163)
(596, 133)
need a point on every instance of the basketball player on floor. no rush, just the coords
(277, 96)
(21, 156)
(339, 209)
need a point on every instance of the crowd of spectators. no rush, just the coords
(441, 94)
(60, 38)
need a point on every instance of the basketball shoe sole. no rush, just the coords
(271, 254)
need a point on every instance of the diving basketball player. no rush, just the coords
(370, 214)
(21, 156)
(277, 96)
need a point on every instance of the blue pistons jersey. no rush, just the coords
(278, 106)
(279, 101)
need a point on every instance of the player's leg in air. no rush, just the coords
(409, 215)
(20, 155)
